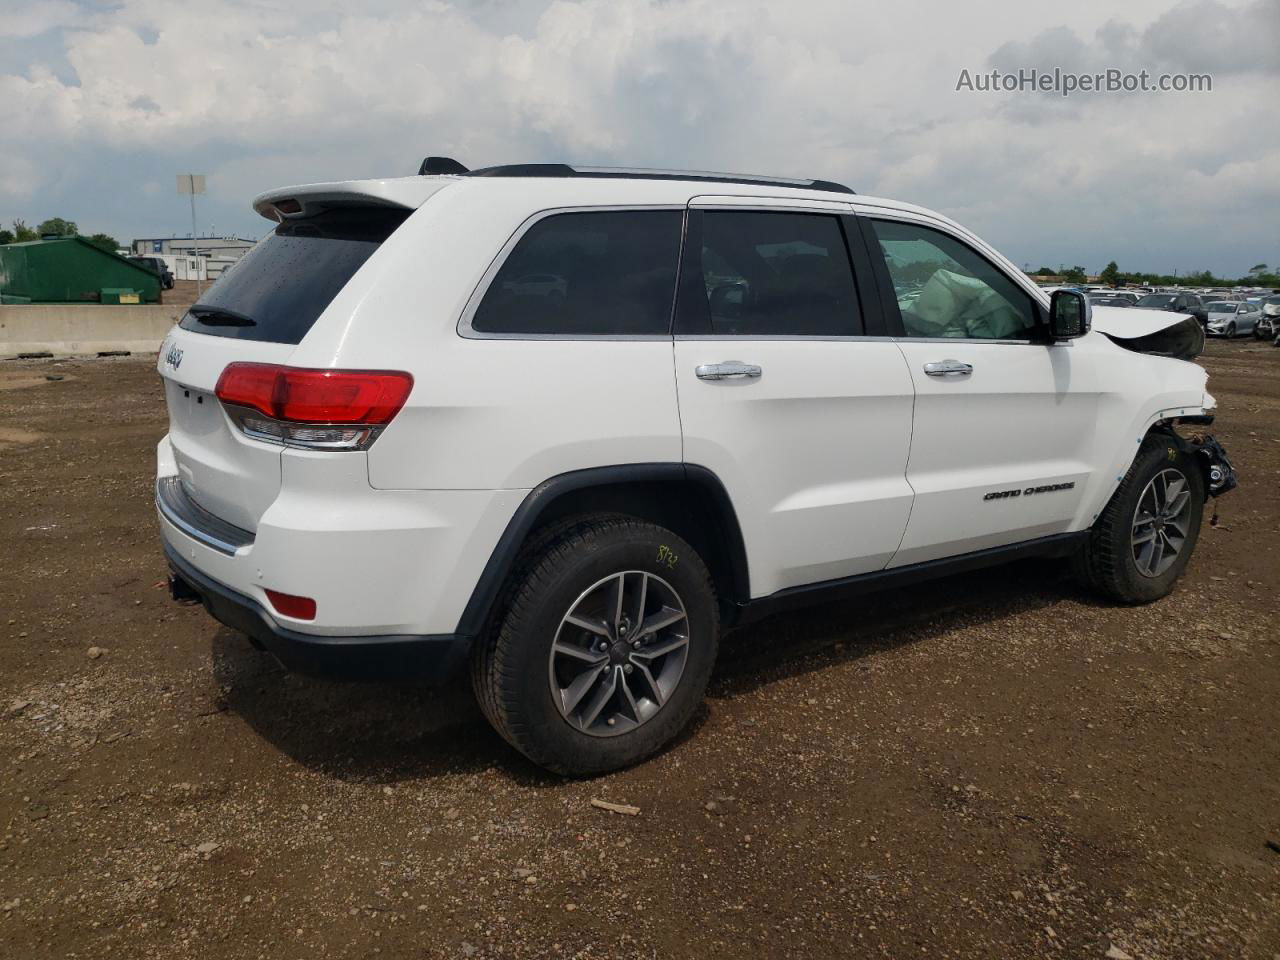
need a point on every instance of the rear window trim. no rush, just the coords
(467, 331)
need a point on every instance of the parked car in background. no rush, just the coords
(1230, 319)
(156, 266)
(1125, 295)
(1268, 324)
(1175, 303)
(1109, 300)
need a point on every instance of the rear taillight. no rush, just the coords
(314, 409)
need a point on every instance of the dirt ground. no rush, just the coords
(183, 293)
(998, 765)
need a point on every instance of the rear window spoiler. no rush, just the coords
(309, 199)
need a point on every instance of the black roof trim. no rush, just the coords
(565, 170)
(433, 166)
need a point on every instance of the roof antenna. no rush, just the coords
(438, 165)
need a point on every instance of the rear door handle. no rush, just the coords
(948, 368)
(723, 371)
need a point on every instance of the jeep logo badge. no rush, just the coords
(174, 357)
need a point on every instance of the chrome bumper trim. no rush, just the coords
(195, 521)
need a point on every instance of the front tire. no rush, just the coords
(604, 653)
(1142, 541)
(1231, 331)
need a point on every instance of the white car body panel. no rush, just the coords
(842, 459)
(378, 562)
(1132, 322)
(1026, 417)
(813, 453)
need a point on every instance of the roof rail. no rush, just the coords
(639, 173)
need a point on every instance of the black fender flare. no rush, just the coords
(536, 503)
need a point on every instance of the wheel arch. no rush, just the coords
(688, 499)
(1204, 451)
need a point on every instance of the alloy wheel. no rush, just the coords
(1160, 522)
(619, 653)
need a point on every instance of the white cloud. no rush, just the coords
(19, 18)
(260, 92)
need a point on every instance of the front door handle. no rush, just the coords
(723, 371)
(948, 368)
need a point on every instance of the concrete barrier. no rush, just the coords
(78, 329)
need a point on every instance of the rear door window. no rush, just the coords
(773, 274)
(605, 273)
(277, 291)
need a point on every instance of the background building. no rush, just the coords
(220, 248)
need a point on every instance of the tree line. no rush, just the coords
(54, 227)
(1259, 275)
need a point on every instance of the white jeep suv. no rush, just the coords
(570, 424)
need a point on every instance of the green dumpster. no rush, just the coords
(72, 270)
(119, 295)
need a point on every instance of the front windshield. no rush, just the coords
(1157, 300)
(1221, 306)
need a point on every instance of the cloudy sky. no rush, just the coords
(102, 102)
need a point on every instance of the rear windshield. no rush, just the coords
(279, 288)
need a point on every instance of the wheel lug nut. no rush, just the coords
(611, 721)
(628, 668)
(636, 644)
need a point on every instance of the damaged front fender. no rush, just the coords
(1157, 332)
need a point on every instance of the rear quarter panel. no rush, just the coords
(489, 414)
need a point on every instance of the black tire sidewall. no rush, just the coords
(559, 584)
(1155, 458)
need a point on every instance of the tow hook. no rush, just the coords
(181, 591)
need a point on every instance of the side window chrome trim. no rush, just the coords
(697, 337)
(721, 201)
(963, 340)
(739, 338)
(482, 287)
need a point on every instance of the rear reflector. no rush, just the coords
(286, 604)
(319, 409)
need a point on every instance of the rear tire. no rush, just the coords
(576, 688)
(1143, 539)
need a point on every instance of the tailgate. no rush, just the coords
(231, 476)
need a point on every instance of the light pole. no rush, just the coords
(193, 183)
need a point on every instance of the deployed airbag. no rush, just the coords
(954, 305)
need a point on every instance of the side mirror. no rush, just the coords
(1070, 315)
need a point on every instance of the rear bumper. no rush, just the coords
(377, 562)
(431, 657)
